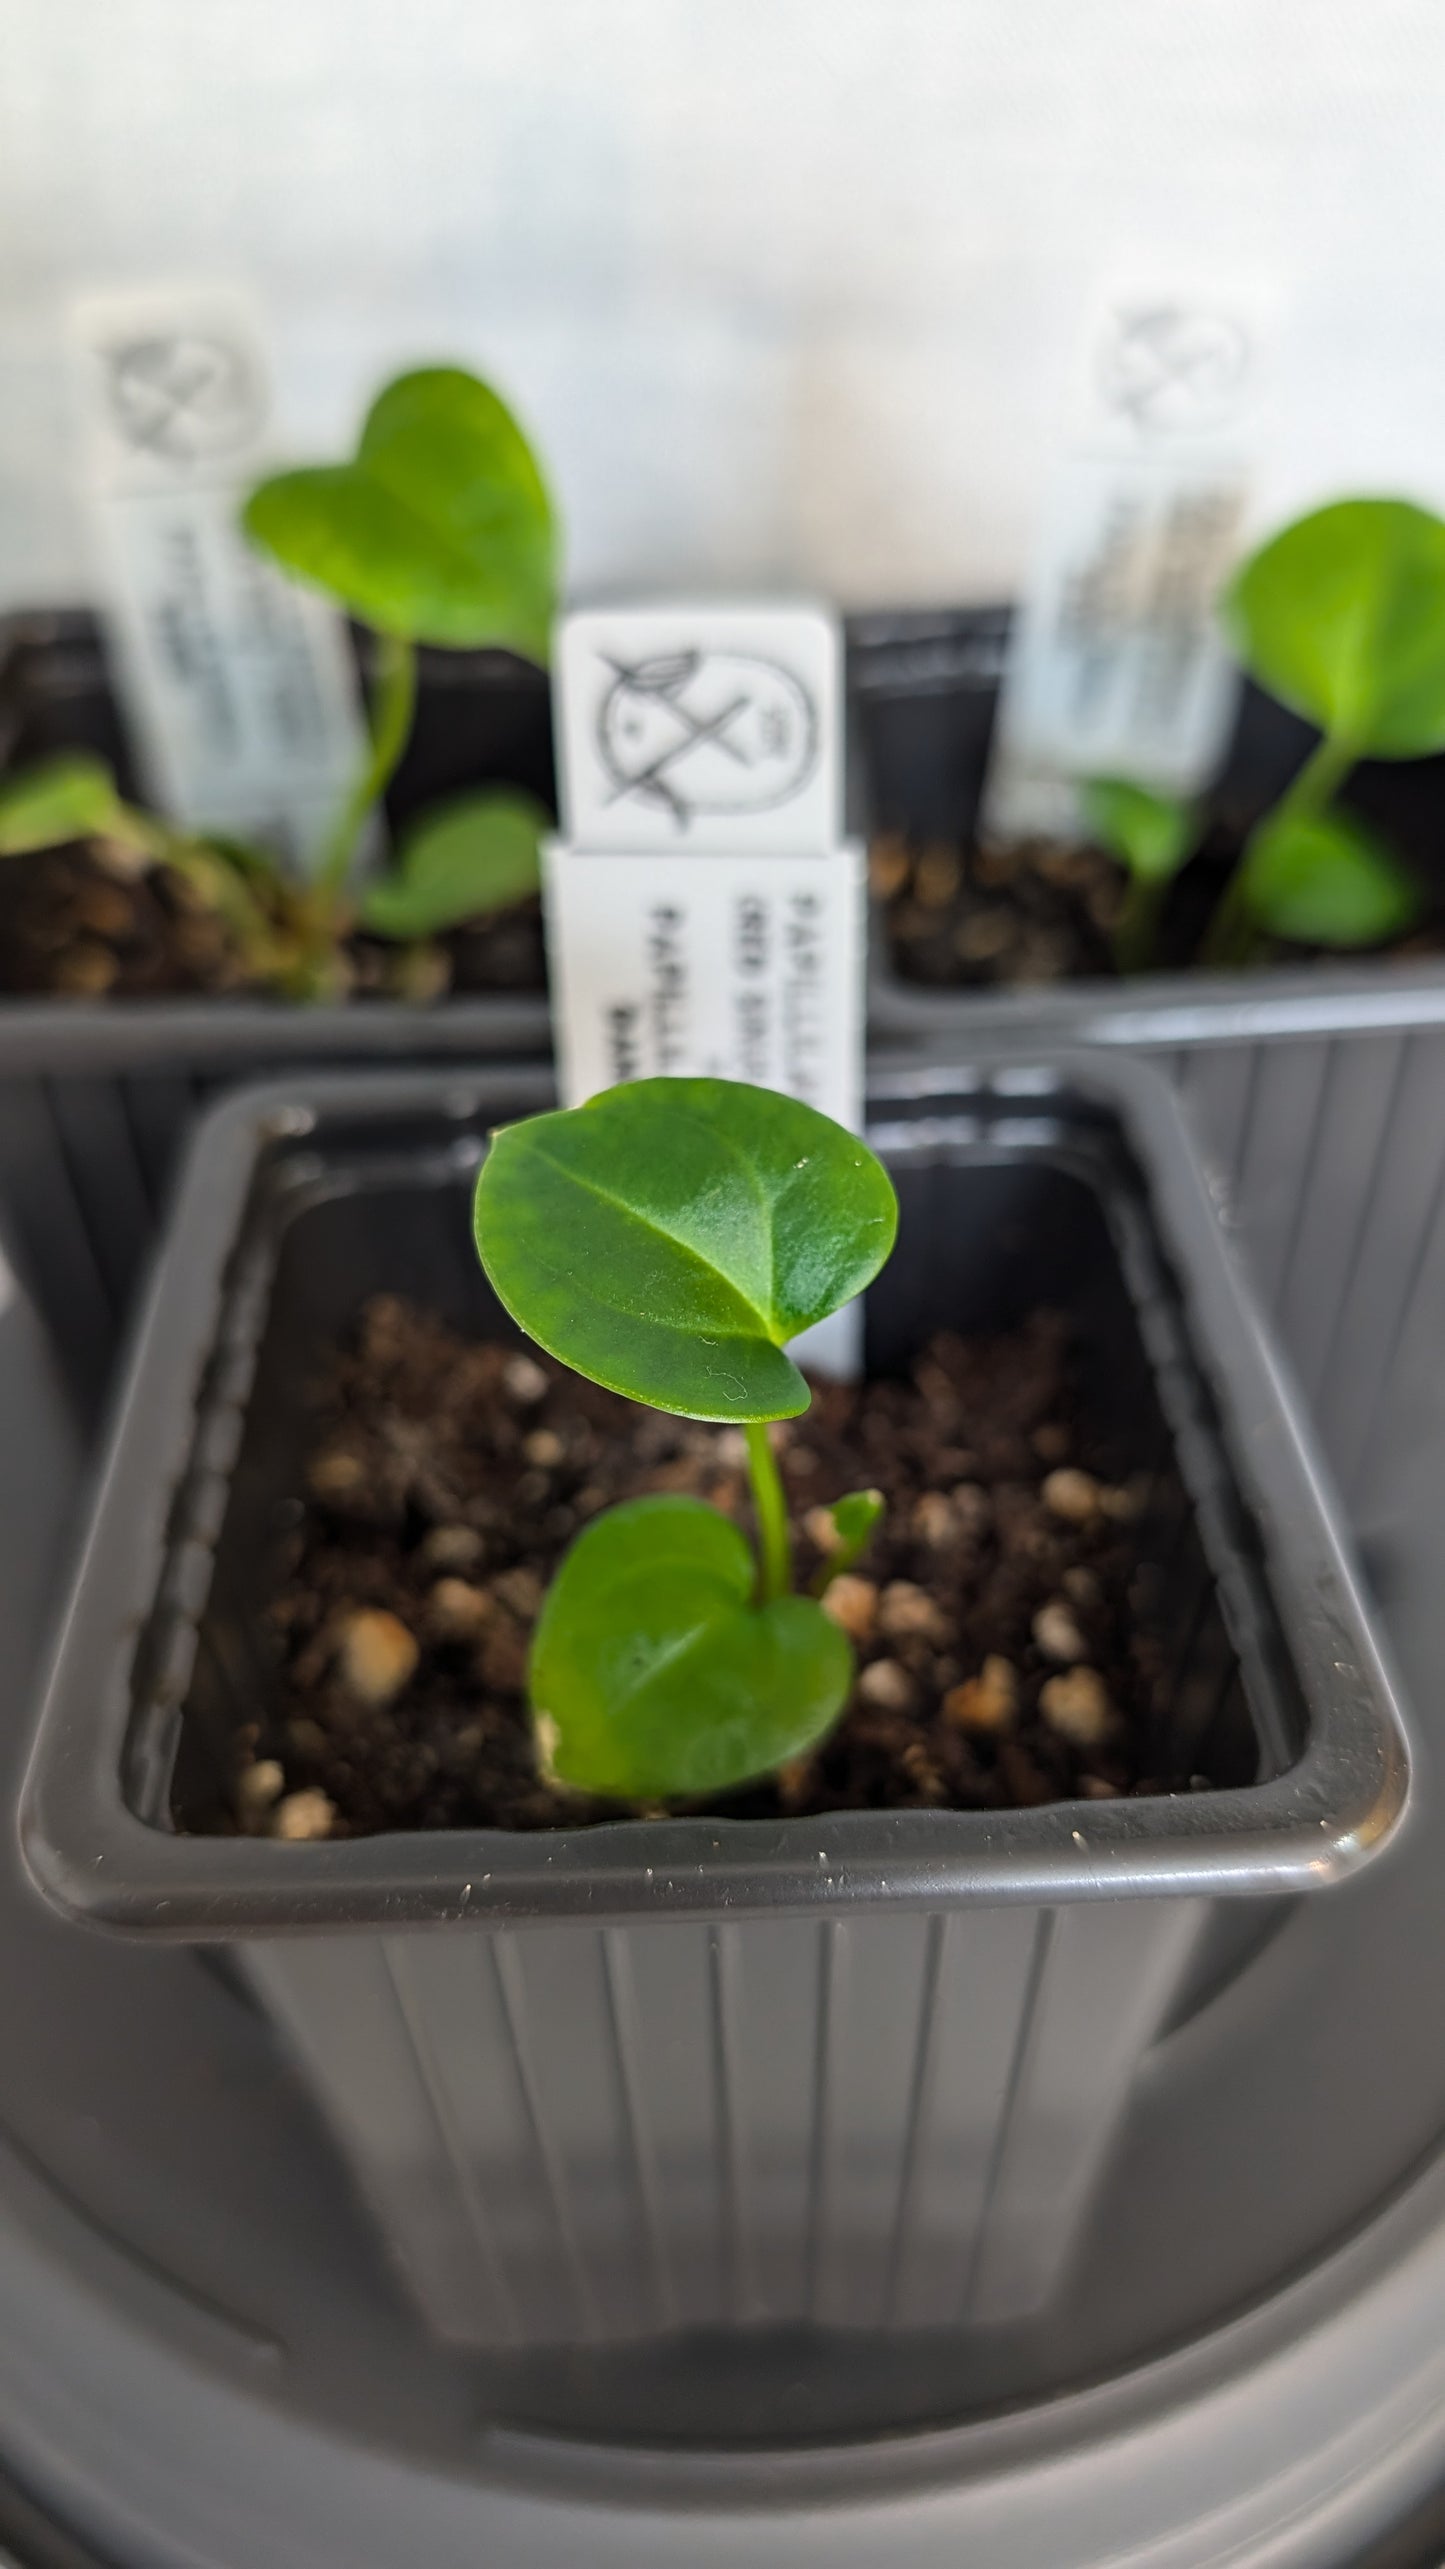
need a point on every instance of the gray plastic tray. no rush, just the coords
(876, 2083)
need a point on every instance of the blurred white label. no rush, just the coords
(238, 688)
(701, 728)
(1117, 665)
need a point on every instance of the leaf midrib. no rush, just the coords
(684, 1248)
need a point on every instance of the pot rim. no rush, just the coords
(1320, 1820)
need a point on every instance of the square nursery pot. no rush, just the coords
(97, 1097)
(923, 689)
(863, 2071)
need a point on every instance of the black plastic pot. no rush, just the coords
(96, 1099)
(482, 717)
(865, 2071)
(923, 691)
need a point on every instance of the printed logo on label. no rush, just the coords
(1174, 369)
(190, 396)
(707, 731)
(701, 729)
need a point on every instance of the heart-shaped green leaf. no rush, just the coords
(69, 797)
(441, 530)
(1342, 616)
(653, 1674)
(461, 861)
(1149, 833)
(669, 1237)
(1324, 880)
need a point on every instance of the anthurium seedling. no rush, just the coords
(668, 1240)
(438, 530)
(1341, 616)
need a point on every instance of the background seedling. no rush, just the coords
(1342, 617)
(1152, 836)
(667, 1241)
(438, 530)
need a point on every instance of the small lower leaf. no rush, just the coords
(854, 1520)
(656, 1675)
(70, 797)
(1325, 880)
(462, 861)
(1149, 833)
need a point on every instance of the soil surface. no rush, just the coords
(72, 925)
(965, 917)
(1009, 1646)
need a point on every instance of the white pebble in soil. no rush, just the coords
(257, 1787)
(457, 1609)
(1073, 1495)
(1076, 1705)
(523, 1381)
(887, 1685)
(821, 1530)
(853, 1605)
(1057, 1633)
(377, 1655)
(987, 1702)
(304, 1817)
(908, 1613)
(453, 1547)
(933, 1520)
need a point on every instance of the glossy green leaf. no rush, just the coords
(1325, 880)
(439, 530)
(1342, 616)
(653, 1674)
(461, 861)
(69, 797)
(669, 1237)
(855, 1520)
(1149, 833)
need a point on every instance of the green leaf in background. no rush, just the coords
(1342, 616)
(1324, 880)
(653, 1674)
(69, 797)
(463, 860)
(669, 1237)
(1149, 833)
(440, 530)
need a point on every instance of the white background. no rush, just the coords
(790, 289)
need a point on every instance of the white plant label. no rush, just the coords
(701, 729)
(1117, 665)
(239, 688)
(704, 917)
(720, 967)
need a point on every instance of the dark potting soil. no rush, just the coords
(1009, 1641)
(74, 926)
(960, 916)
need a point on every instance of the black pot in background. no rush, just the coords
(96, 1098)
(923, 691)
(482, 717)
(860, 2071)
